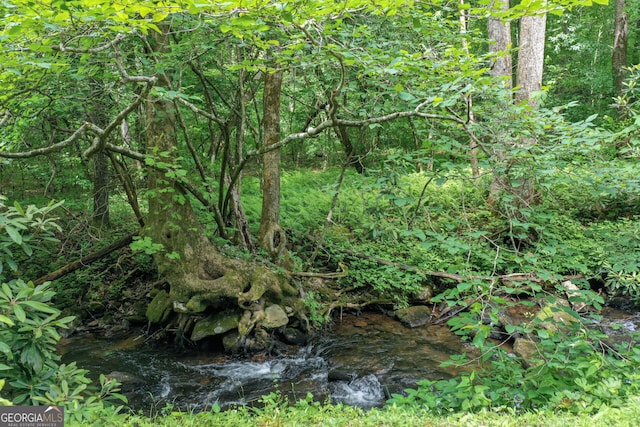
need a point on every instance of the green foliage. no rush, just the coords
(24, 228)
(622, 280)
(306, 412)
(28, 335)
(146, 245)
(575, 368)
(29, 331)
(315, 308)
(3, 401)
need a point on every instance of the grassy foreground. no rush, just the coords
(313, 414)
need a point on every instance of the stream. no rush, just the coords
(359, 361)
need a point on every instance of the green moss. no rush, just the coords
(215, 325)
(160, 307)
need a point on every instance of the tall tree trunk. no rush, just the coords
(530, 58)
(272, 236)
(514, 178)
(473, 148)
(101, 178)
(620, 42)
(350, 151)
(499, 33)
(529, 81)
(206, 287)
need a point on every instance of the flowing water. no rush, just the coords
(360, 361)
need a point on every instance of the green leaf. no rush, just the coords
(14, 234)
(4, 319)
(19, 312)
(18, 207)
(40, 306)
(7, 293)
(481, 336)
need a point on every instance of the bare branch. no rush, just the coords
(314, 131)
(99, 143)
(199, 111)
(118, 38)
(127, 152)
(51, 148)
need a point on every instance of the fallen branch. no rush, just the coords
(338, 274)
(512, 277)
(83, 262)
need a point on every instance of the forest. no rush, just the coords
(233, 177)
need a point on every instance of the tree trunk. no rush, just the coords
(620, 42)
(499, 33)
(101, 190)
(205, 286)
(272, 236)
(530, 58)
(473, 148)
(350, 151)
(519, 186)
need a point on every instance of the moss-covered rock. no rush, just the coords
(527, 350)
(414, 316)
(160, 308)
(555, 316)
(274, 317)
(232, 342)
(216, 324)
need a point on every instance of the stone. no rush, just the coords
(527, 350)
(294, 336)
(574, 292)
(414, 316)
(128, 382)
(159, 308)
(553, 317)
(274, 317)
(215, 324)
(196, 305)
(232, 342)
(425, 294)
(340, 374)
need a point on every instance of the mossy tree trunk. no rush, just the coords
(203, 282)
(272, 236)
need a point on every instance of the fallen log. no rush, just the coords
(84, 261)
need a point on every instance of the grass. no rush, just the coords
(305, 414)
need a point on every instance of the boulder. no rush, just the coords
(527, 350)
(232, 342)
(414, 316)
(128, 382)
(555, 316)
(294, 336)
(274, 317)
(159, 308)
(215, 324)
